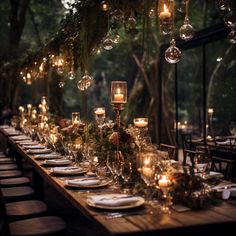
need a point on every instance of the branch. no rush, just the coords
(141, 67)
(39, 41)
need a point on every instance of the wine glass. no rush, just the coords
(109, 163)
(117, 164)
(126, 175)
(202, 164)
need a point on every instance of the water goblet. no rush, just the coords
(126, 175)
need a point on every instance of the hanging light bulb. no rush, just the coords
(116, 38)
(104, 6)
(71, 75)
(61, 84)
(173, 54)
(152, 13)
(230, 19)
(85, 82)
(186, 31)
(232, 36)
(108, 44)
(98, 52)
(223, 4)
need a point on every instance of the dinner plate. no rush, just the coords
(20, 138)
(34, 146)
(140, 201)
(57, 162)
(103, 183)
(38, 151)
(72, 170)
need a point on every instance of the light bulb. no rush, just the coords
(104, 6)
(85, 82)
(108, 44)
(173, 54)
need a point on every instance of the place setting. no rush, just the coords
(39, 151)
(48, 156)
(68, 171)
(57, 162)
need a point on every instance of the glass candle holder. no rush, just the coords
(141, 122)
(119, 92)
(100, 114)
(43, 100)
(75, 118)
(166, 16)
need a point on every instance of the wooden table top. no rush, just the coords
(177, 223)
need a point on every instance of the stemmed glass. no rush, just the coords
(164, 184)
(126, 172)
(148, 170)
(117, 164)
(93, 161)
(202, 164)
(141, 125)
(100, 115)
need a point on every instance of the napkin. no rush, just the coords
(36, 151)
(83, 182)
(113, 200)
(72, 169)
(227, 142)
(33, 146)
(57, 161)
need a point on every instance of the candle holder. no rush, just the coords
(166, 16)
(118, 98)
(75, 118)
(164, 184)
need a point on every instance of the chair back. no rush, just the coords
(171, 150)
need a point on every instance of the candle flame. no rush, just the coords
(118, 90)
(146, 161)
(164, 177)
(165, 8)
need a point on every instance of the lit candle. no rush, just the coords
(76, 121)
(163, 182)
(29, 106)
(99, 111)
(165, 14)
(141, 122)
(210, 111)
(118, 97)
(147, 171)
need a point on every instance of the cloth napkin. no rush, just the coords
(72, 169)
(113, 200)
(57, 161)
(226, 142)
(83, 182)
(36, 151)
(33, 146)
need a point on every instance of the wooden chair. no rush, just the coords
(171, 150)
(10, 174)
(187, 145)
(14, 182)
(8, 167)
(189, 154)
(223, 158)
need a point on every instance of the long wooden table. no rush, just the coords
(217, 219)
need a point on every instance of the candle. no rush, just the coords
(147, 171)
(76, 121)
(210, 111)
(118, 97)
(29, 106)
(164, 182)
(141, 122)
(165, 14)
(99, 111)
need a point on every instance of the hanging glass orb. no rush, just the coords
(116, 38)
(104, 6)
(117, 15)
(60, 70)
(182, 7)
(173, 54)
(85, 83)
(61, 84)
(131, 23)
(186, 31)
(223, 4)
(230, 19)
(152, 13)
(71, 75)
(232, 36)
(108, 44)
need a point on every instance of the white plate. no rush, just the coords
(103, 183)
(34, 146)
(140, 201)
(20, 138)
(39, 151)
(57, 162)
(72, 170)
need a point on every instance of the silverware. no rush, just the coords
(114, 215)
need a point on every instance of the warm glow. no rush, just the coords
(28, 76)
(210, 111)
(146, 161)
(165, 8)
(118, 91)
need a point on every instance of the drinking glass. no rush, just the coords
(126, 175)
(202, 164)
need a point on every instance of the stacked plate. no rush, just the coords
(38, 151)
(57, 162)
(115, 201)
